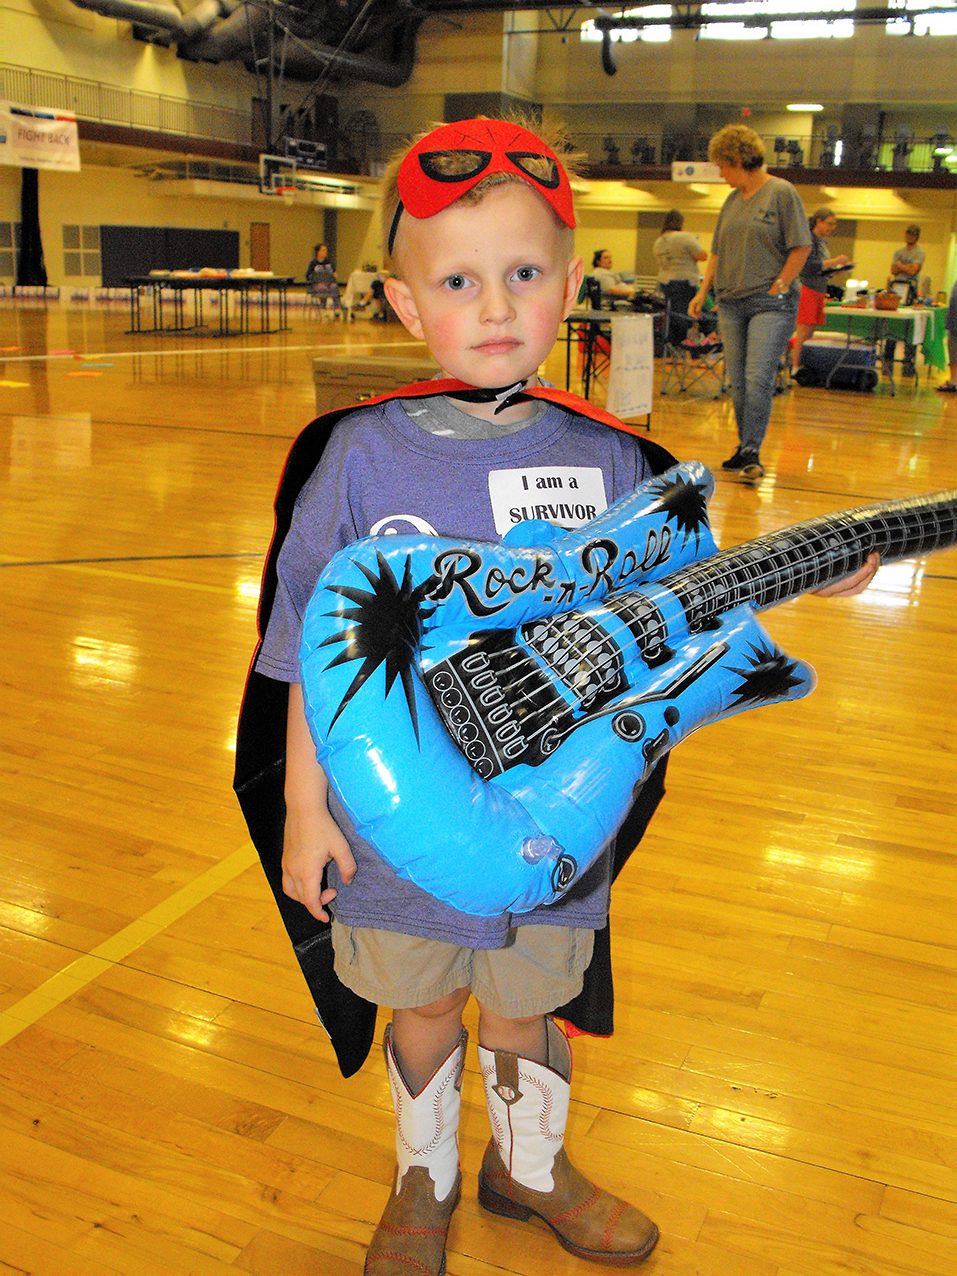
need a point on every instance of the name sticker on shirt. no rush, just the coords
(565, 495)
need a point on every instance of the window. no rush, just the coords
(81, 251)
(919, 23)
(778, 26)
(655, 33)
(9, 242)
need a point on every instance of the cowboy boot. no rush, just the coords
(410, 1238)
(526, 1171)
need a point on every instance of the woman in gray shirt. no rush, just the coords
(760, 243)
(814, 279)
(678, 253)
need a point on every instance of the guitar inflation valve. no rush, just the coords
(541, 848)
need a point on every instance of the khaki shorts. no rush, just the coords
(539, 968)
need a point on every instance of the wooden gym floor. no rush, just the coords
(779, 1093)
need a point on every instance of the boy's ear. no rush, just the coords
(401, 301)
(573, 283)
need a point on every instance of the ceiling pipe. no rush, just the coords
(229, 30)
(165, 17)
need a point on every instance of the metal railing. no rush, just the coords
(110, 104)
(868, 153)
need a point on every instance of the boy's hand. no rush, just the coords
(312, 839)
(852, 585)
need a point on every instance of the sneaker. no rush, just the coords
(751, 467)
(735, 462)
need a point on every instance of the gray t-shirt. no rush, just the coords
(754, 236)
(382, 472)
(607, 278)
(906, 257)
(677, 252)
(439, 415)
(812, 272)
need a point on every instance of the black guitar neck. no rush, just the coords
(510, 696)
(810, 555)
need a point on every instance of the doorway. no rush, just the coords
(259, 245)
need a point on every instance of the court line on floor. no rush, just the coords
(75, 976)
(91, 567)
(137, 354)
(13, 561)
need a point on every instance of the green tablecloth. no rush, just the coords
(878, 325)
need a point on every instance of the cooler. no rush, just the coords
(344, 381)
(822, 354)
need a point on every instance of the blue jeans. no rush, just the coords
(755, 331)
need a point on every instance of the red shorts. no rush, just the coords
(811, 307)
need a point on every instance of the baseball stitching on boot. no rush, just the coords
(393, 1256)
(570, 1215)
(498, 1130)
(406, 1229)
(613, 1219)
(439, 1120)
(545, 1091)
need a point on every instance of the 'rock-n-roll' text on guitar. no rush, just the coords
(540, 679)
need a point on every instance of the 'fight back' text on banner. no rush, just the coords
(32, 137)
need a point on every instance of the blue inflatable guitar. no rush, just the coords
(486, 712)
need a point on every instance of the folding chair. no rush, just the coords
(692, 358)
(321, 294)
(594, 349)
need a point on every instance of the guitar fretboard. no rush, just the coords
(509, 697)
(810, 555)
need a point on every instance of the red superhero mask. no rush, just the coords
(450, 160)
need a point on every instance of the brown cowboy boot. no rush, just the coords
(526, 1170)
(410, 1238)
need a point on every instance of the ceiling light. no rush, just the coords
(805, 106)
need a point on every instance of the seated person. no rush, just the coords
(612, 284)
(380, 302)
(321, 278)
(374, 295)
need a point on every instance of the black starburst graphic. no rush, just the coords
(770, 675)
(386, 629)
(685, 504)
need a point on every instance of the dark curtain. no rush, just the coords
(30, 267)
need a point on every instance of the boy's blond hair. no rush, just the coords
(549, 130)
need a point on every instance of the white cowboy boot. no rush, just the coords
(526, 1170)
(411, 1234)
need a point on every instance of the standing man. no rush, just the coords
(905, 267)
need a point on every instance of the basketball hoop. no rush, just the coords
(277, 176)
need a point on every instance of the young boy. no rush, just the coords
(478, 217)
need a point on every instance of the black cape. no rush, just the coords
(261, 757)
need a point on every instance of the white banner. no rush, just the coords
(31, 137)
(701, 171)
(630, 381)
